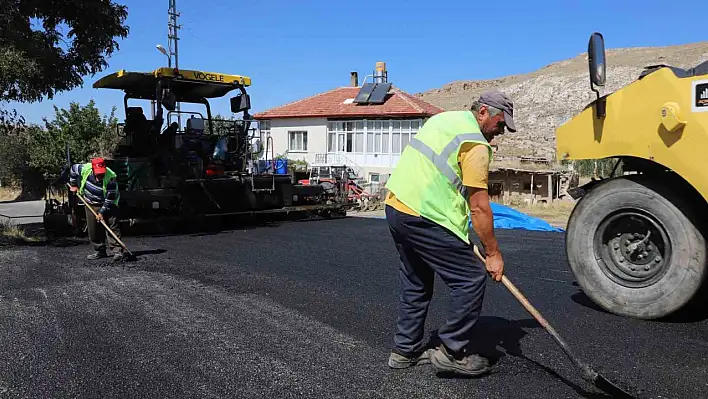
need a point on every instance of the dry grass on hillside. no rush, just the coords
(8, 194)
(10, 234)
(11, 194)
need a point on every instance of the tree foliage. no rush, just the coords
(46, 46)
(221, 125)
(596, 167)
(14, 137)
(224, 126)
(87, 132)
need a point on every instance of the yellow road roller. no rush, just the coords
(636, 240)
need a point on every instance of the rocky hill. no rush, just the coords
(546, 98)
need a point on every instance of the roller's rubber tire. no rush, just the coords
(684, 273)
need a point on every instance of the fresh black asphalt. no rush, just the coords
(307, 309)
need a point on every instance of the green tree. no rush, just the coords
(221, 125)
(596, 167)
(224, 126)
(47, 46)
(88, 133)
(14, 154)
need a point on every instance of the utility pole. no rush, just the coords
(172, 40)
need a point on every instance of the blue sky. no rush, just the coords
(292, 49)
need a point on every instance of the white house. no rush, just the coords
(365, 127)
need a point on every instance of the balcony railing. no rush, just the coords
(333, 159)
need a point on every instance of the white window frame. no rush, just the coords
(303, 140)
(339, 131)
(264, 128)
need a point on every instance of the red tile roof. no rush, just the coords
(330, 104)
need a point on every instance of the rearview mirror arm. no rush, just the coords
(595, 78)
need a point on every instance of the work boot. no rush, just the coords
(97, 255)
(470, 365)
(398, 361)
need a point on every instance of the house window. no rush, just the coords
(381, 136)
(264, 128)
(332, 137)
(297, 141)
(358, 137)
(402, 133)
(371, 136)
(345, 136)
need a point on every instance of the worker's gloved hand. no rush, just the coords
(99, 217)
(495, 266)
(73, 189)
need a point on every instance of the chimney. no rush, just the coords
(380, 74)
(354, 80)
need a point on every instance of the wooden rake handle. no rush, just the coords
(515, 291)
(541, 320)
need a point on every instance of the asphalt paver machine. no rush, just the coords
(636, 240)
(209, 167)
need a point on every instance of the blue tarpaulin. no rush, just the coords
(508, 218)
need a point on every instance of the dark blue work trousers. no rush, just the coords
(426, 248)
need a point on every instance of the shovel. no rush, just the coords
(587, 373)
(103, 223)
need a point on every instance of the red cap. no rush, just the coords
(98, 165)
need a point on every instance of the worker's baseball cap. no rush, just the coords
(98, 165)
(499, 100)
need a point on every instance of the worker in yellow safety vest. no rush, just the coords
(98, 185)
(440, 178)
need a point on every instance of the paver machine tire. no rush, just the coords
(636, 247)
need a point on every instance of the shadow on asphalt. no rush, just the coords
(137, 254)
(695, 312)
(495, 333)
(214, 226)
(191, 228)
(149, 252)
(581, 299)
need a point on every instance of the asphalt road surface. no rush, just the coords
(22, 212)
(307, 310)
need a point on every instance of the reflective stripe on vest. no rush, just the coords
(440, 161)
(86, 171)
(428, 177)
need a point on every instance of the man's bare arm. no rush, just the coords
(483, 223)
(483, 219)
(474, 164)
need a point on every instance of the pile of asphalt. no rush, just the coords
(306, 310)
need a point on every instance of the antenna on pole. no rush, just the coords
(172, 39)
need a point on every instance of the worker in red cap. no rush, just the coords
(98, 186)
